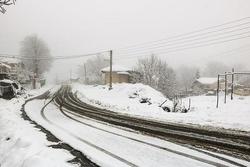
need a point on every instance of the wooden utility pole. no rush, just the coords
(35, 73)
(225, 98)
(233, 73)
(218, 89)
(110, 70)
(232, 84)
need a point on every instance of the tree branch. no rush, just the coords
(6, 3)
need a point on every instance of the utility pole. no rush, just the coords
(232, 85)
(218, 89)
(35, 72)
(37, 75)
(110, 70)
(225, 98)
(36, 66)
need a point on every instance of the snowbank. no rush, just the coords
(21, 144)
(124, 98)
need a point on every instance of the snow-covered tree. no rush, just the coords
(157, 74)
(135, 77)
(148, 67)
(186, 76)
(167, 80)
(5, 3)
(90, 71)
(197, 74)
(35, 55)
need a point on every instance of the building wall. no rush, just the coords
(199, 88)
(116, 78)
(4, 72)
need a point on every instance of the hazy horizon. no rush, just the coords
(92, 26)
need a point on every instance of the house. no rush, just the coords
(242, 87)
(119, 74)
(205, 85)
(208, 85)
(4, 71)
(16, 69)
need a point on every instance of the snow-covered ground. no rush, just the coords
(21, 144)
(125, 98)
(110, 146)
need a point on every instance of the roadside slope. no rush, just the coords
(125, 98)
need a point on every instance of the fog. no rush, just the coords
(86, 26)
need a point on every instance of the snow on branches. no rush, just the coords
(156, 73)
(5, 3)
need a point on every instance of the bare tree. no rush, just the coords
(90, 71)
(186, 76)
(157, 74)
(148, 68)
(5, 3)
(35, 55)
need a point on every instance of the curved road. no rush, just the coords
(233, 144)
(228, 143)
(117, 138)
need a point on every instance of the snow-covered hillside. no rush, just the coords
(125, 98)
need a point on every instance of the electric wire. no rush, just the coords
(51, 58)
(168, 43)
(164, 51)
(154, 48)
(185, 34)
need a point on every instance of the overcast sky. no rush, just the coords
(83, 26)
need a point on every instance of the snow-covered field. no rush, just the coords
(125, 98)
(21, 144)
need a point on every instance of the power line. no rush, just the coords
(171, 49)
(228, 52)
(52, 58)
(83, 55)
(199, 40)
(185, 34)
(172, 42)
(181, 49)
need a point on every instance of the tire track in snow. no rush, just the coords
(78, 103)
(227, 143)
(150, 144)
(79, 159)
(85, 141)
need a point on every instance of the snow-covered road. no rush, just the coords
(111, 146)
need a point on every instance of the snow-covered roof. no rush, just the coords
(9, 60)
(5, 65)
(207, 80)
(123, 72)
(7, 81)
(116, 68)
